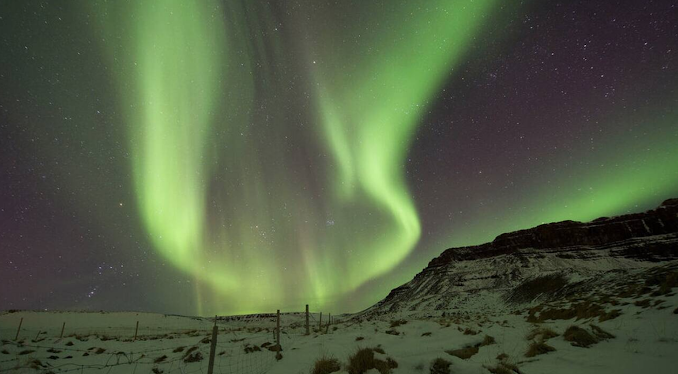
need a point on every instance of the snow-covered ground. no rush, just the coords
(645, 337)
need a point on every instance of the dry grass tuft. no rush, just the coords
(440, 366)
(579, 337)
(584, 309)
(541, 334)
(363, 360)
(379, 350)
(469, 331)
(463, 353)
(643, 303)
(609, 315)
(398, 322)
(666, 282)
(326, 365)
(600, 333)
(503, 368)
(251, 348)
(538, 348)
(488, 340)
(195, 357)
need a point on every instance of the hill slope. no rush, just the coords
(490, 276)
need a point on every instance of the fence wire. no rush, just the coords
(245, 345)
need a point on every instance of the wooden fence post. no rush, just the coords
(62, 330)
(277, 330)
(329, 319)
(320, 322)
(19, 329)
(136, 330)
(213, 347)
(308, 330)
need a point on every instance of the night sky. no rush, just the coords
(245, 156)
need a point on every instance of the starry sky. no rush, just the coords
(228, 156)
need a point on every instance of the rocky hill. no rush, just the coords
(488, 276)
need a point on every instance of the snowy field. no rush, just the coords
(629, 326)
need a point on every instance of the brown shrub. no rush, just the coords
(538, 348)
(488, 340)
(600, 333)
(440, 366)
(643, 303)
(274, 348)
(582, 310)
(160, 359)
(470, 332)
(398, 322)
(359, 338)
(195, 357)
(666, 282)
(178, 349)
(541, 334)
(363, 360)
(188, 352)
(609, 315)
(503, 368)
(463, 353)
(426, 334)
(252, 348)
(326, 365)
(579, 337)
(36, 364)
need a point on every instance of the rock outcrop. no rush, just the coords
(574, 249)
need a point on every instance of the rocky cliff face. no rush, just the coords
(576, 250)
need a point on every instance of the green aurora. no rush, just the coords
(193, 77)
(368, 113)
(268, 149)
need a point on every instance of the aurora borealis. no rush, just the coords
(245, 156)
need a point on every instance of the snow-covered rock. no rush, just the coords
(482, 277)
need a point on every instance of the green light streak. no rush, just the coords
(369, 112)
(212, 203)
(179, 53)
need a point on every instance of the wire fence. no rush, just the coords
(245, 345)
